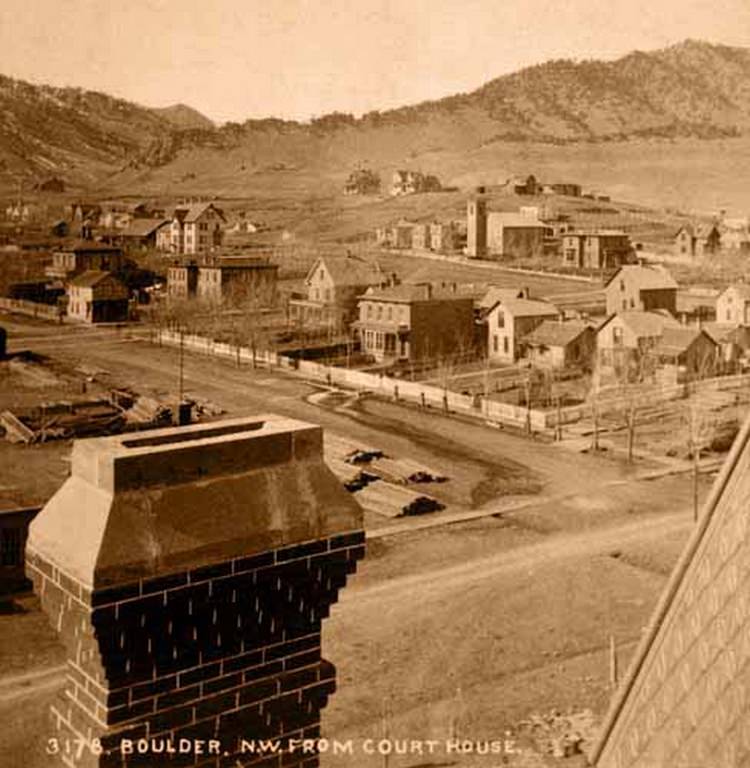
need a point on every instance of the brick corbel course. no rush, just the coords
(187, 571)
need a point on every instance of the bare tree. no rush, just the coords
(701, 427)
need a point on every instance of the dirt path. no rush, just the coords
(569, 546)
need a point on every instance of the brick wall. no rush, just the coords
(223, 652)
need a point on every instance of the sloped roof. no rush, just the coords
(742, 290)
(728, 332)
(651, 278)
(719, 331)
(193, 211)
(143, 227)
(495, 294)
(411, 292)
(698, 231)
(350, 271)
(644, 324)
(552, 333)
(683, 701)
(528, 308)
(91, 277)
(675, 341)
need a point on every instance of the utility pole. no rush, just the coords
(385, 722)
(613, 671)
(182, 366)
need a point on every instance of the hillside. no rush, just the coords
(184, 117)
(81, 135)
(688, 92)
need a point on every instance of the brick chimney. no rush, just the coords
(187, 571)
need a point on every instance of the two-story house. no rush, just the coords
(626, 340)
(695, 240)
(509, 320)
(416, 322)
(97, 297)
(514, 235)
(182, 280)
(596, 249)
(196, 228)
(733, 305)
(333, 287)
(238, 281)
(73, 259)
(643, 289)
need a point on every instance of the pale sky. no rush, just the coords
(236, 59)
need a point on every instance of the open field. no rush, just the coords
(683, 175)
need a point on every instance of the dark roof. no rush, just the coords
(143, 227)
(84, 246)
(194, 211)
(406, 293)
(229, 262)
(91, 278)
(675, 341)
(552, 333)
(527, 307)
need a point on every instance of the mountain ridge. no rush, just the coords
(691, 89)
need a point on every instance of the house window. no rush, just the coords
(624, 303)
(390, 313)
(500, 320)
(495, 345)
(632, 303)
(506, 346)
(622, 285)
(617, 336)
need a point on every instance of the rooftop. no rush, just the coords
(87, 246)
(407, 293)
(674, 341)
(349, 270)
(143, 227)
(555, 334)
(527, 308)
(495, 294)
(91, 278)
(594, 232)
(645, 324)
(742, 290)
(653, 278)
(515, 220)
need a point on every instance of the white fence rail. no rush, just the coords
(437, 397)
